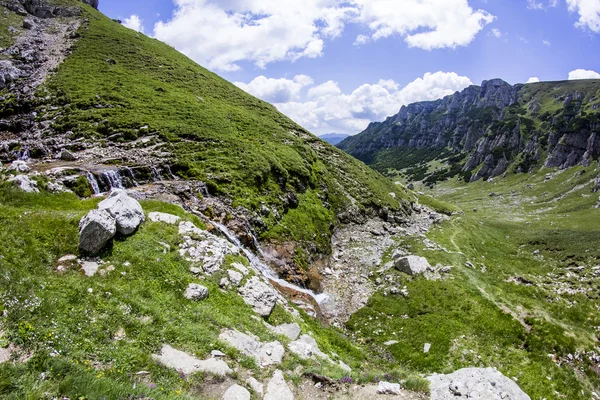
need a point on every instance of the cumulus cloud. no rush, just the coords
(276, 90)
(546, 43)
(326, 108)
(589, 13)
(497, 33)
(222, 34)
(540, 4)
(583, 74)
(533, 79)
(134, 22)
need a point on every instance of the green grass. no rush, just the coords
(9, 19)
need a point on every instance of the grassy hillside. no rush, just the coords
(119, 85)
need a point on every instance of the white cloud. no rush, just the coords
(497, 33)
(589, 13)
(546, 43)
(583, 74)
(540, 4)
(221, 34)
(134, 22)
(533, 79)
(327, 109)
(276, 90)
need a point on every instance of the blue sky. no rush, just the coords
(334, 66)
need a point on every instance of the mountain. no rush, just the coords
(334, 138)
(485, 131)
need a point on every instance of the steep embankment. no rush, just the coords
(487, 130)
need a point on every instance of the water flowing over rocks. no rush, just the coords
(475, 383)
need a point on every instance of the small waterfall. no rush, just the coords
(156, 176)
(93, 182)
(113, 178)
(261, 267)
(25, 155)
(130, 173)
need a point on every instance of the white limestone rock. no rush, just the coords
(187, 364)
(196, 292)
(277, 388)
(164, 218)
(95, 230)
(259, 295)
(125, 210)
(412, 265)
(475, 384)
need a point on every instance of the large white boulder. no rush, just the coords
(125, 210)
(412, 265)
(475, 384)
(236, 392)
(196, 292)
(163, 217)
(95, 230)
(25, 183)
(260, 296)
(277, 388)
(187, 364)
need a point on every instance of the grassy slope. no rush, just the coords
(241, 146)
(69, 320)
(476, 319)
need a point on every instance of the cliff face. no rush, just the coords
(493, 127)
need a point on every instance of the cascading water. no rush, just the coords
(156, 176)
(262, 268)
(93, 182)
(113, 178)
(130, 173)
(25, 155)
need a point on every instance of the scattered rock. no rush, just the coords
(66, 155)
(90, 267)
(195, 271)
(306, 347)
(217, 354)
(391, 342)
(243, 343)
(125, 210)
(235, 277)
(25, 183)
(184, 363)
(475, 383)
(164, 217)
(204, 248)
(27, 24)
(277, 388)
(412, 265)
(291, 331)
(236, 392)
(256, 386)
(196, 292)
(260, 296)
(240, 267)
(224, 283)
(427, 347)
(389, 388)
(95, 230)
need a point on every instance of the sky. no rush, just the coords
(334, 66)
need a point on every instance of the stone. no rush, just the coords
(196, 292)
(93, 3)
(187, 364)
(259, 295)
(271, 354)
(90, 267)
(25, 183)
(412, 265)
(291, 331)
(389, 388)
(427, 347)
(164, 217)
(217, 354)
(256, 386)
(235, 277)
(391, 343)
(19, 166)
(27, 24)
(344, 366)
(125, 210)
(224, 283)
(306, 347)
(245, 344)
(204, 248)
(95, 231)
(67, 259)
(240, 267)
(66, 155)
(9, 73)
(195, 271)
(277, 388)
(236, 392)
(475, 384)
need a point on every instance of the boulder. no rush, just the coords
(259, 295)
(307, 347)
(412, 265)
(389, 388)
(271, 354)
(277, 388)
(291, 331)
(256, 386)
(19, 166)
(236, 392)
(125, 210)
(187, 364)
(475, 384)
(25, 183)
(66, 155)
(196, 292)
(235, 277)
(95, 230)
(163, 217)
(245, 344)
(8, 73)
(27, 24)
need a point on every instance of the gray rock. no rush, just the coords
(19, 166)
(8, 73)
(90, 267)
(476, 384)
(235, 277)
(27, 24)
(412, 265)
(306, 347)
(256, 386)
(245, 344)
(291, 331)
(196, 292)
(66, 155)
(95, 230)
(271, 354)
(259, 295)
(217, 354)
(125, 210)
(236, 392)
(389, 388)
(277, 388)
(25, 183)
(344, 366)
(163, 217)
(187, 364)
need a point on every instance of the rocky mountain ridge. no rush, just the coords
(485, 130)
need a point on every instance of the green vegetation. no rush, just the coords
(522, 294)
(9, 20)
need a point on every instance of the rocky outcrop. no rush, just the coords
(259, 295)
(196, 292)
(277, 388)
(126, 211)
(476, 384)
(489, 129)
(412, 265)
